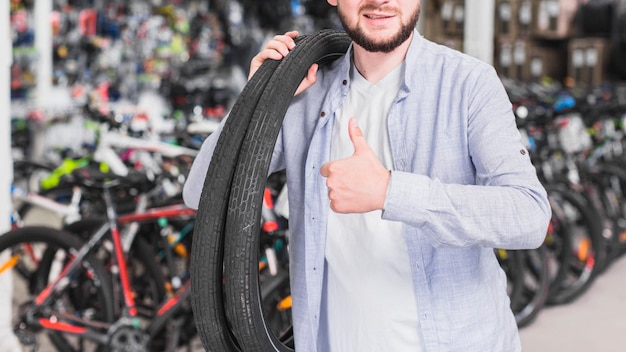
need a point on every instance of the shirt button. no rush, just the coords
(345, 81)
(323, 113)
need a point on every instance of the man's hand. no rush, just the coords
(356, 184)
(276, 49)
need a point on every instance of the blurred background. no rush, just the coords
(166, 72)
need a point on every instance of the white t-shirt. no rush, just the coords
(368, 303)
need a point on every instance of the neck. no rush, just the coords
(375, 66)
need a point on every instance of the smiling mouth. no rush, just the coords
(375, 17)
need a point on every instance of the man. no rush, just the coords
(405, 170)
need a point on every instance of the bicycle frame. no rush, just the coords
(110, 140)
(68, 212)
(165, 310)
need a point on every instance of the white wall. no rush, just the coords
(478, 29)
(7, 339)
(6, 163)
(43, 44)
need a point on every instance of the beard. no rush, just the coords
(361, 39)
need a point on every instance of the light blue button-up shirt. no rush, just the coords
(462, 183)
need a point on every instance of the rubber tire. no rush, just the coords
(535, 293)
(512, 263)
(244, 211)
(207, 251)
(610, 171)
(558, 245)
(208, 242)
(562, 292)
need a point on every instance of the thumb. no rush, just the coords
(356, 136)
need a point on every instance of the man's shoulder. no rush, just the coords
(438, 51)
(434, 62)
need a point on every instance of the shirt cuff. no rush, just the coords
(407, 198)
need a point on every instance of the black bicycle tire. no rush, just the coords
(596, 181)
(63, 239)
(274, 290)
(617, 244)
(558, 244)
(560, 294)
(244, 210)
(206, 268)
(535, 263)
(511, 262)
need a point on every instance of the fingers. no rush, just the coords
(309, 80)
(275, 49)
(282, 43)
(311, 74)
(357, 183)
(324, 170)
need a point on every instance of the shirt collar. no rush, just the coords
(412, 56)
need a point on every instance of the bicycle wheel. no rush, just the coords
(180, 328)
(585, 227)
(535, 285)
(276, 306)
(83, 301)
(558, 246)
(241, 258)
(512, 264)
(147, 277)
(612, 179)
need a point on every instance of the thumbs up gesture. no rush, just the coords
(356, 184)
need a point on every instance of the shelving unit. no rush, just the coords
(566, 40)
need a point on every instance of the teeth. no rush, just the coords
(374, 17)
